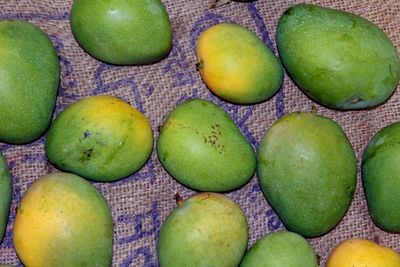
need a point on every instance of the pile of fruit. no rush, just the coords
(305, 164)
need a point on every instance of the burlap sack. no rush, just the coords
(141, 202)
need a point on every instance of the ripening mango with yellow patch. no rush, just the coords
(236, 65)
(63, 220)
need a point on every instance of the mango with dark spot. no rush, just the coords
(5, 195)
(101, 138)
(202, 148)
(381, 177)
(339, 59)
(208, 229)
(307, 170)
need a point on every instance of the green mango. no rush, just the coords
(280, 249)
(381, 177)
(208, 229)
(122, 32)
(202, 148)
(5, 195)
(30, 73)
(307, 170)
(339, 59)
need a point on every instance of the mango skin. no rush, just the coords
(236, 65)
(202, 148)
(307, 170)
(101, 138)
(208, 229)
(280, 249)
(339, 59)
(30, 73)
(62, 220)
(381, 177)
(358, 252)
(122, 32)
(5, 195)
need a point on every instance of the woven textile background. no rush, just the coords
(141, 202)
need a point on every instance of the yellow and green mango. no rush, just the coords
(101, 138)
(63, 220)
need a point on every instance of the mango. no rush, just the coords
(280, 249)
(381, 177)
(339, 59)
(5, 195)
(122, 32)
(62, 220)
(202, 148)
(307, 170)
(101, 138)
(358, 252)
(236, 65)
(29, 78)
(208, 229)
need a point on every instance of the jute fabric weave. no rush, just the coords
(141, 202)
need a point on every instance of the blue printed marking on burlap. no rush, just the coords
(147, 172)
(274, 223)
(66, 64)
(140, 230)
(67, 69)
(35, 16)
(148, 89)
(177, 65)
(144, 252)
(4, 147)
(255, 191)
(136, 221)
(102, 87)
(262, 28)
